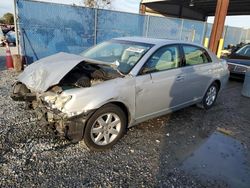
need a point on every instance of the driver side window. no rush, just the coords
(165, 58)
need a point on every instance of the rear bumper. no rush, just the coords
(224, 80)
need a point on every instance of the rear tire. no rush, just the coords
(105, 127)
(210, 97)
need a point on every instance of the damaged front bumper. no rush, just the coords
(71, 128)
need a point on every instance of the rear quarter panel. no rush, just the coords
(220, 70)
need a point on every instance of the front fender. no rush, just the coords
(117, 90)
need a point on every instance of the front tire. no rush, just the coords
(210, 97)
(105, 127)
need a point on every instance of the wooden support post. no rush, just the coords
(218, 26)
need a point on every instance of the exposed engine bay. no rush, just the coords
(83, 75)
(87, 74)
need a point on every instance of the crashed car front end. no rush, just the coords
(54, 97)
(49, 108)
(65, 124)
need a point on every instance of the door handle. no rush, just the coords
(139, 90)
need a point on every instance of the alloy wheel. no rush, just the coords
(211, 95)
(105, 129)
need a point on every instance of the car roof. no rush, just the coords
(156, 41)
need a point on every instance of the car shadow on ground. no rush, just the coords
(193, 148)
(186, 129)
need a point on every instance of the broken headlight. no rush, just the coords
(58, 101)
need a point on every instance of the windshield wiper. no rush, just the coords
(115, 65)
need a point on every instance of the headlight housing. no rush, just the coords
(57, 101)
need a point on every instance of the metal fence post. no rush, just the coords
(95, 29)
(241, 33)
(204, 32)
(182, 22)
(147, 26)
(224, 34)
(16, 28)
(247, 35)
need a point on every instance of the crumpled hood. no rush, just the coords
(49, 71)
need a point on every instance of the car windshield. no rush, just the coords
(122, 54)
(244, 51)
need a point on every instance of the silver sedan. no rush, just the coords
(99, 94)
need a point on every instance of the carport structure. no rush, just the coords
(198, 10)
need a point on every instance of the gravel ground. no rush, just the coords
(150, 155)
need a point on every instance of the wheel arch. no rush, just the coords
(121, 105)
(218, 82)
(124, 109)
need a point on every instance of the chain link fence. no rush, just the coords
(48, 28)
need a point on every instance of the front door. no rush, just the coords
(160, 84)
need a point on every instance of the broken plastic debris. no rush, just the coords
(224, 131)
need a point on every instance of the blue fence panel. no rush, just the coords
(48, 28)
(243, 35)
(111, 24)
(232, 35)
(208, 31)
(193, 31)
(168, 28)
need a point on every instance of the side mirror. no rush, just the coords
(145, 70)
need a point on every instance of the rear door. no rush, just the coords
(198, 71)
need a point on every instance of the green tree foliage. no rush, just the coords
(98, 3)
(8, 18)
(1, 21)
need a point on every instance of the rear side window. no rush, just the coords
(195, 55)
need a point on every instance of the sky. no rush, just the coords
(128, 6)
